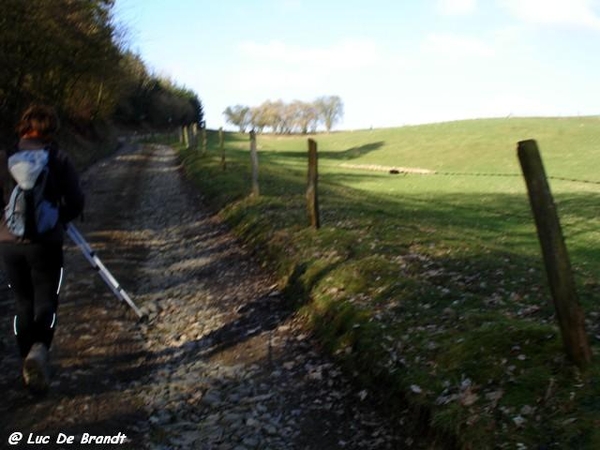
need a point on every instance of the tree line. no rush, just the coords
(70, 54)
(286, 118)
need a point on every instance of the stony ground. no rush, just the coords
(222, 362)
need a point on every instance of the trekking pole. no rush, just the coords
(93, 259)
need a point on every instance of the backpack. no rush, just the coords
(29, 212)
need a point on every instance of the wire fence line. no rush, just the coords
(489, 174)
(428, 172)
(573, 180)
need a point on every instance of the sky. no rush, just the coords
(392, 62)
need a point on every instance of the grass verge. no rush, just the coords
(431, 288)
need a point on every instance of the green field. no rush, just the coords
(431, 287)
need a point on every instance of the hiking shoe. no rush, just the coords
(35, 369)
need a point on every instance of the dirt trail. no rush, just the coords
(98, 352)
(222, 364)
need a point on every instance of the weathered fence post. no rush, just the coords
(186, 136)
(556, 258)
(312, 197)
(222, 148)
(203, 141)
(254, 160)
(195, 135)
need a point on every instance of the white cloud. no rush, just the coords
(579, 13)
(456, 7)
(346, 54)
(457, 46)
(276, 82)
(278, 69)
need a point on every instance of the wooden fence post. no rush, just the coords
(556, 258)
(195, 135)
(254, 160)
(312, 197)
(203, 141)
(186, 136)
(222, 148)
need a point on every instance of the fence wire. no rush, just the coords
(489, 174)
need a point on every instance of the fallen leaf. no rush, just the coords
(416, 389)
(468, 397)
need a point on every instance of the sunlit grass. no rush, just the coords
(425, 281)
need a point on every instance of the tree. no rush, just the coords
(67, 53)
(258, 118)
(306, 116)
(267, 116)
(238, 115)
(147, 100)
(58, 52)
(331, 110)
(282, 118)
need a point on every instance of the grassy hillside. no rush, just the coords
(431, 286)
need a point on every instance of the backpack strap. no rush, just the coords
(7, 183)
(52, 192)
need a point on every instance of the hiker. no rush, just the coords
(31, 242)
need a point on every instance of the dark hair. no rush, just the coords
(40, 120)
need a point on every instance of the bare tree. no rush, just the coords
(258, 118)
(295, 117)
(306, 116)
(331, 110)
(239, 115)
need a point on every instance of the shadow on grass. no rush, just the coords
(471, 222)
(348, 154)
(453, 263)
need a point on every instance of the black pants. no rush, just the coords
(34, 272)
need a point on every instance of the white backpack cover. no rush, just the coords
(28, 214)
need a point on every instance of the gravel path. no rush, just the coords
(222, 363)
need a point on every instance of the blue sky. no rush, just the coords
(392, 62)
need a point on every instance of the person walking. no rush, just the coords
(31, 243)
